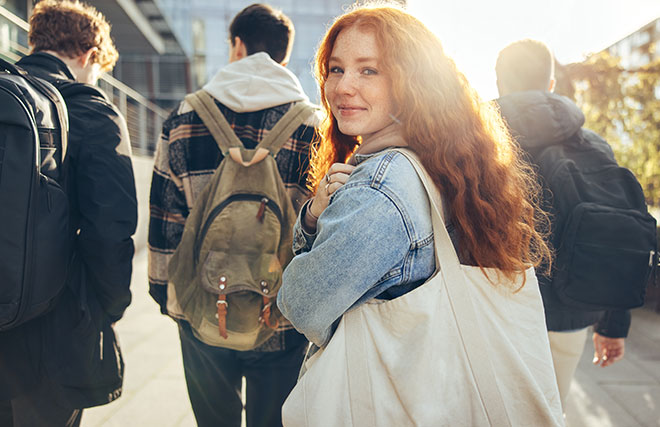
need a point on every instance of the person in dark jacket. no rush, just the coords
(53, 366)
(538, 119)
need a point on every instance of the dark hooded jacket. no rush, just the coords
(73, 347)
(537, 120)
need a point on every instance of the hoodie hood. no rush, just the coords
(255, 83)
(538, 119)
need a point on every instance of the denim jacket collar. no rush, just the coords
(359, 158)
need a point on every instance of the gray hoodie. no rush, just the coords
(255, 83)
(538, 119)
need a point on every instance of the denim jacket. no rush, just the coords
(374, 240)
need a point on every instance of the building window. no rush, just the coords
(623, 48)
(5, 44)
(641, 38)
(17, 7)
(635, 59)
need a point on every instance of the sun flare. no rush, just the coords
(474, 31)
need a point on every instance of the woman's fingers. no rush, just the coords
(334, 187)
(334, 182)
(341, 168)
(337, 176)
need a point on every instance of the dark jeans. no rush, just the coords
(214, 375)
(38, 408)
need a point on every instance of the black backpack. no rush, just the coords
(35, 240)
(603, 236)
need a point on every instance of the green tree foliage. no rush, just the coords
(622, 106)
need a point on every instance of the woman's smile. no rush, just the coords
(350, 110)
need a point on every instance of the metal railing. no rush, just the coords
(144, 118)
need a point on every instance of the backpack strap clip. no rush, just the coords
(236, 155)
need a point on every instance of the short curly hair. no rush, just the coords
(71, 28)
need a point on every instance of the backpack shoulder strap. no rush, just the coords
(49, 91)
(288, 123)
(11, 68)
(204, 105)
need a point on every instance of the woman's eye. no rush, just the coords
(369, 72)
(335, 70)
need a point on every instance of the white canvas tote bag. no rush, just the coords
(456, 351)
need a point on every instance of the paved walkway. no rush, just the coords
(626, 394)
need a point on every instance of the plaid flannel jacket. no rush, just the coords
(186, 157)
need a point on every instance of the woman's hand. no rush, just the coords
(335, 178)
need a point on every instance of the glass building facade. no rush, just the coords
(205, 33)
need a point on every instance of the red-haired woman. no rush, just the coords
(367, 234)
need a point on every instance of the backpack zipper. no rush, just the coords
(261, 211)
(265, 202)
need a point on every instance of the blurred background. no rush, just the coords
(606, 54)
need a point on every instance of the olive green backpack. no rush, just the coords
(228, 266)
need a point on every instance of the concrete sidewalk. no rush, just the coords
(626, 394)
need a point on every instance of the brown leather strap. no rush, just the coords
(222, 315)
(266, 313)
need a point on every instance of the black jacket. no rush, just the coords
(74, 345)
(537, 120)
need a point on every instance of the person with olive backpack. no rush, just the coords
(229, 177)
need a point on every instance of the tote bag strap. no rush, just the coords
(463, 309)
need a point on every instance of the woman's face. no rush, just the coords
(358, 92)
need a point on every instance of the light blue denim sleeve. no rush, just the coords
(361, 236)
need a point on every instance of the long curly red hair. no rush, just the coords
(463, 143)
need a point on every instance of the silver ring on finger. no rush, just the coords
(327, 188)
(327, 178)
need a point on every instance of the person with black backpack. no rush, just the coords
(229, 177)
(65, 281)
(601, 232)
